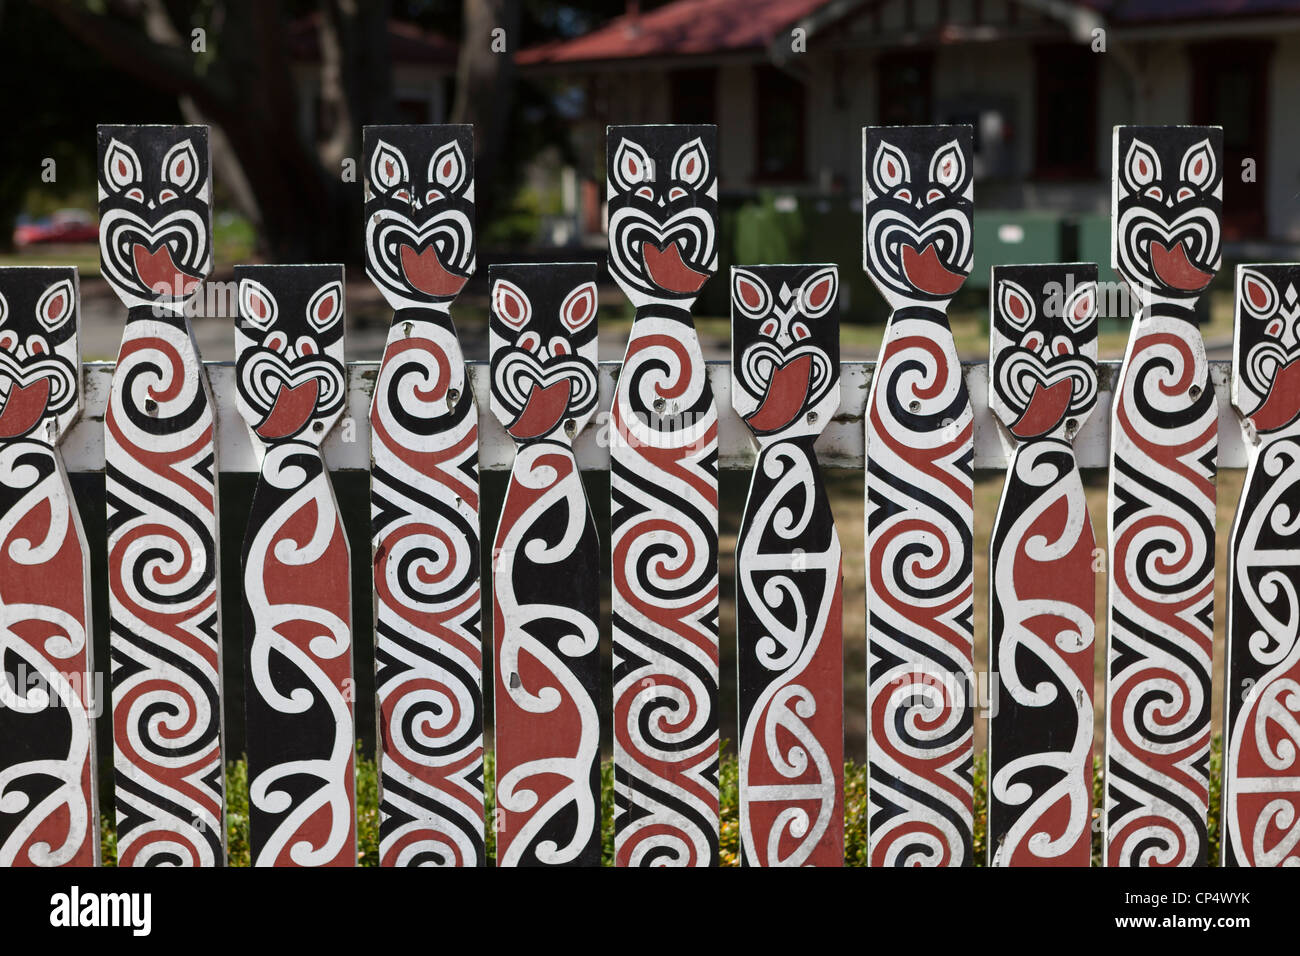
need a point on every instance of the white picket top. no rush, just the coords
(840, 446)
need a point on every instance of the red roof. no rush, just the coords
(679, 29)
(407, 43)
(694, 27)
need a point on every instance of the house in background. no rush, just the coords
(1023, 72)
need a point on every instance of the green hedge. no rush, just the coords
(855, 811)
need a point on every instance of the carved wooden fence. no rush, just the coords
(160, 425)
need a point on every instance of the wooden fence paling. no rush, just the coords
(918, 249)
(664, 500)
(47, 701)
(298, 680)
(1043, 384)
(163, 547)
(545, 569)
(1166, 200)
(789, 578)
(424, 500)
(1261, 793)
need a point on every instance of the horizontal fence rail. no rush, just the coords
(840, 446)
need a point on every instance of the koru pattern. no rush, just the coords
(1261, 779)
(1042, 628)
(155, 244)
(545, 569)
(785, 364)
(1164, 447)
(298, 682)
(48, 807)
(424, 500)
(918, 249)
(663, 245)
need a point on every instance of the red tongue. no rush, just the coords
(543, 410)
(426, 272)
(292, 409)
(668, 271)
(159, 274)
(23, 408)
(1174, 269)
(1282, 404)
(785, 396)
(1046, 409)
(927, 273)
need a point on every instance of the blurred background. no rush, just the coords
(286, 86)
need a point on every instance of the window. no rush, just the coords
(1065, 113)
(692, 95)
(903, 82)
(781, 107)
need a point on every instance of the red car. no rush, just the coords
(66, 225)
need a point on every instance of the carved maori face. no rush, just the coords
(1266, 373)
(289, 351)
(543, 342)
(662, 187)
(155, 217)
(1167, 198)
(1043, 346)
(39, 360)
(785, 350)
(419, 212)
(917, 212)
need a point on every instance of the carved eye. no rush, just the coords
(1197, 167)
(388, 170)
(1033, 341)
(889, 168)
(691, 164)
(904, 194)
(1156, 193)
(933, 194)
(750, 294)
(1081, 306)
(277, 341)
(948, 167)
(1015, 305)
(645, 192)
(1258, 294)
(799, 331)
(55, 305)
(1274, 328)
(433, 195)
(769, 328)
(326, 306)
(36, 345)
(677, 192)
(818, 292)
(529, 342)
(306, 345)
(122, 171)
(8, 340)
(256, 304)
(559, 345)
(1062, 346)
(1141, 165)
(448, 168)
(181, 167)
(510, 304)
(631, 165)
(579, 307)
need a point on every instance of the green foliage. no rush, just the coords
(766, 234)
(855, 811)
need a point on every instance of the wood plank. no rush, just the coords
(789, 570)
(298, 682)
(919, 446)
(1166, 202)
(545, 569)
(48, 692)
(663, 245)
(155, 240)
(1042, 630)
(1261, 780)
(424, 500)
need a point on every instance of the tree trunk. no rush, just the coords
(485, 87)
